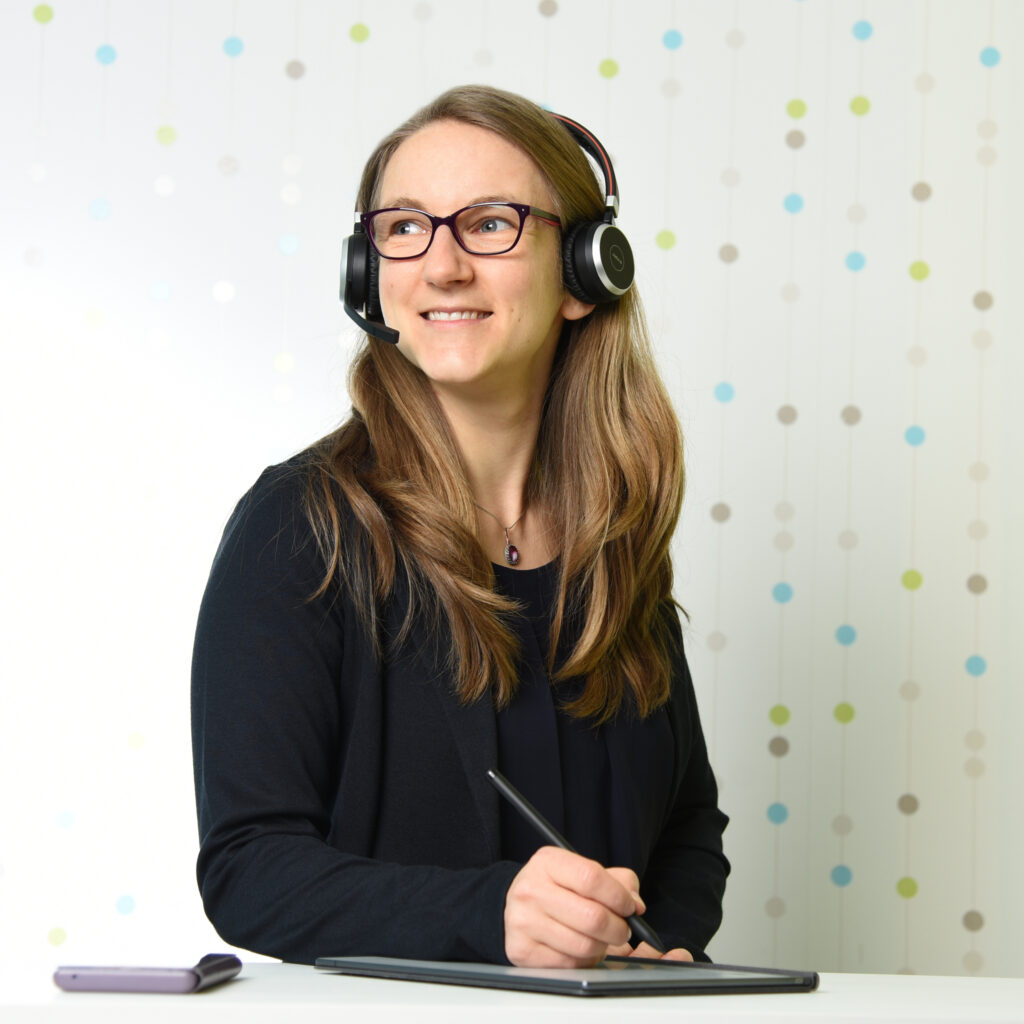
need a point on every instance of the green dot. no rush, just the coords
(860, 105)
(665, 239)
(907, 888)
(166, 135)
(609, 68)
(43, 13)
(912, 579)
(779, 714)
(359, 33)
(56, 936)
(919, 270)
(796, 108)
(843, 713)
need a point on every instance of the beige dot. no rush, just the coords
(909, 690)
(924, 82)
(716, 641)
(795, 139)
(987, 156)
(921, 191)
(850, 415)
(987, 129)
(720, 512)
(978, 472)
(907, 804)
(728, 253)
(981, 338)
(973, 921)
(783, 540)
(790, 292)
(973, 961)
(671, 88)
(778, 746)
(856, 214)
(784, 511)
(735, 38)
(786, 414)
(974, 739)
(548, 8)
(977, 530)
(228, 165)
(295, 69)
(842, 824)
(917, 355)
(983, 300)
(974, 767)
(730, 177)
(775, 907)
(976, 583)
(422, 12)
(848, 540)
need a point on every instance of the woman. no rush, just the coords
(471, 572)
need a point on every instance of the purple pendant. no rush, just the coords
(511, 554)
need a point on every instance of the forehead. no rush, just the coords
(449, 164)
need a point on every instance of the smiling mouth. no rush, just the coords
(458, 314)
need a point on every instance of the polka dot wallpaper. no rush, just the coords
(820, 195)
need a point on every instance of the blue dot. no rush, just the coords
(106, 54)
(99, 209)
(976, 665)
(725, 392)
(914, 435)
(782, 592)
(794, 202)
(862, 30)
(846, 635)
(841, 875)
(990, 56)
(66, 819)
(125, 904)
(855, 260)
(288, 244)
(233, 46)
(672, 39)
(777, 814)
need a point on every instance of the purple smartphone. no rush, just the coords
(211, 970)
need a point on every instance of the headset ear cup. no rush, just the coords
(355, 270)
(372, 288)
(570, 273)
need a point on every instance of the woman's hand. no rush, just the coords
(649, 952)
(563, 910)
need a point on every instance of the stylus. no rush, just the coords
(639, 926)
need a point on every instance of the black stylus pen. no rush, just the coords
(639, 926)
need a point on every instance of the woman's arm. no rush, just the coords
(271, 714)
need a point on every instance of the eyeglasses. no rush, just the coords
(483, 229)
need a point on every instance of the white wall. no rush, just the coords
(172, 218)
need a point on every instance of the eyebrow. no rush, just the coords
(417, 204)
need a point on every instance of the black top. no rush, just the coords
(341, 787)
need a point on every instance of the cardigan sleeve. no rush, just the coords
(269, 703)
(684, 880)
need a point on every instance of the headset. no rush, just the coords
(597, 261)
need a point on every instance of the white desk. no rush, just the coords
(286, 993)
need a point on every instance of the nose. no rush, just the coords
(446, 262)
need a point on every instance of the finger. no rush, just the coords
(629, 881)
(615, 888)
(648, 952)
(539, 901)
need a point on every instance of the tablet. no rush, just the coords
(615, 976)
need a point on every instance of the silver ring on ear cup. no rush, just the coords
(597, 262)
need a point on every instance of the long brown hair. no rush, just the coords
(608, 471)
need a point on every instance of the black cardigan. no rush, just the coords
(342, 799)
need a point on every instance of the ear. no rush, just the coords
(575, 309)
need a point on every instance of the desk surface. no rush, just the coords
(262, 992)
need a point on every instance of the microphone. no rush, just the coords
(356, 284)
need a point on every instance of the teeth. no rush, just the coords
(439, 314)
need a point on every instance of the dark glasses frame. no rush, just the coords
(523, 209)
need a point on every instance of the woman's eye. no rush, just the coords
(407, 227)
(491, 225)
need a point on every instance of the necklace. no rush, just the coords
(511, 551)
